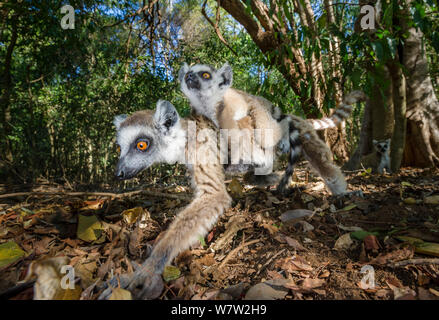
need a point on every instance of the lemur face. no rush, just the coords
(204, 85)
(148, 137)
(381, 147)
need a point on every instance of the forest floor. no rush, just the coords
(305, 246)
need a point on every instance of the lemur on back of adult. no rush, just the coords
(209, 92)
(147, 137)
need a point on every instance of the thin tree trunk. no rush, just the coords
(399, 107)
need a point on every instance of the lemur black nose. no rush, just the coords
(120, 174)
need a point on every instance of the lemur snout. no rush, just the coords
(192, 81)
(120, 174)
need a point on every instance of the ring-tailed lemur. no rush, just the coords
(210, 93)
(149, 137)
(380, 159)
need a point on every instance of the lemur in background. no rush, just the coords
(149, 137)
(209, 92)
(380, 159)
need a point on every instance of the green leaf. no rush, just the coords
(89, 228)
(10, 252)
(360, 235)
(430, 248)
(171, 273)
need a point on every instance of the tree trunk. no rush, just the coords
(399, 107)
(422, 143)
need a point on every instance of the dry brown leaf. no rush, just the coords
(371, 243)
(294, 243)
(403, 253)
(268, 290)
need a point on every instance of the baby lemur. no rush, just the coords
(147, 137)
(380, 159)
(210, 94)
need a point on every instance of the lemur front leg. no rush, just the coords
(190, 224)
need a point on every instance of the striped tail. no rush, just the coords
(294, 155)
(342, 112)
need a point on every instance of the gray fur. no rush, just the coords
(163, 133)
(383, 154)
(205, 93)
(118, 120)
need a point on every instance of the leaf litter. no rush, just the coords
(308, 245)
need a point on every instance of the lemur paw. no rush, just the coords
(355, 193)
(143, 284)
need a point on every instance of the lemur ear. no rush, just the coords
(388, 141)
(374, 142)
(183, 70)
(226, 74)
(118, 120)
(166, 116)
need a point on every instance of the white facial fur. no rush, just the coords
(383, 150)
(205, 94)
(163, 132)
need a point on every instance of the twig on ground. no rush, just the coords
(414, 261)
(100, 194)
(269, 261)
(234, 251)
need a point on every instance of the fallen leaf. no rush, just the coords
(432, 199)
(294, 243)
(171, 273)
(235, 188)
(10, 252)
(421, 246)
(404, 293)
(120, 294)
(90, 229)
(371, 243)
(349, 207)
(92, 205)
(295, 214)
(410, 200)
(402, 253)
(309, 283)
(360, 235)
(344, 242)
(268, 290)
(130, 216)
(305, 226)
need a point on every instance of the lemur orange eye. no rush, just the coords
(206, 75)
(142, 145)
(118, 149)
